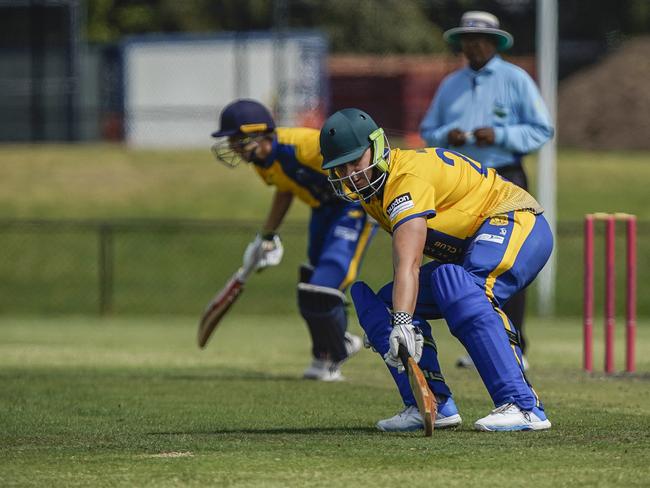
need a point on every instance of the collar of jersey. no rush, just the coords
(268, 161)
(489, 68)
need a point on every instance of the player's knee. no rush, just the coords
(458, 296)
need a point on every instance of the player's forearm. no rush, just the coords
(408, 243)
(279, 208)
(405, 287)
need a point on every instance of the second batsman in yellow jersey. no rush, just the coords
(339, 232)
(487, 239)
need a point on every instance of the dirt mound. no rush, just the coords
(607, 106)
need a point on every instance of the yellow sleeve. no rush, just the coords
(407, 198)
(264, 174)
(309, 155)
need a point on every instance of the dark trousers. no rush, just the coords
(516, 306)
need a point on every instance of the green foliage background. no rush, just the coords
(357, 26)
(370, 26)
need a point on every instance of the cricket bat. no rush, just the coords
(426, 401)
(223, 300)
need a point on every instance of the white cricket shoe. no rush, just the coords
(323, 370)
(407, 420)
(510, 417)
(353, 344)
(410, 419)
(466, 362)
(326, 370)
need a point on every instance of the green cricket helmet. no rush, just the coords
(344, 138)
(242, 124)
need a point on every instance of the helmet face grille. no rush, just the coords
(374, 175)
(232, 151)
(346, 189)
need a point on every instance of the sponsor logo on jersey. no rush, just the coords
(499, 220)
(400, 204)
(443, 246)
(489, 238)
(345, 233)
(443, 252)
(500, 110)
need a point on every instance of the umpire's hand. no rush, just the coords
(456, 137)
(484, 136)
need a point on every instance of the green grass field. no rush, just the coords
(133, 402)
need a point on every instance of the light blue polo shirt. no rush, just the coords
(499, 95)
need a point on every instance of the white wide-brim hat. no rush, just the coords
(476, 22)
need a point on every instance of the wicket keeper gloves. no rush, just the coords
(405, 333)
(266, 250)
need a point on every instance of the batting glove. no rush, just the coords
(263, 252)
(406, 334)
(272, 251)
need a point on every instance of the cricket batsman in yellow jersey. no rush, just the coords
(339, 232)
(487, 239)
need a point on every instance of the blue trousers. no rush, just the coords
(338, 238)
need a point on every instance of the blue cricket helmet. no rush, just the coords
(244, 117)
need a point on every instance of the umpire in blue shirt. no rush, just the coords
(490, 110)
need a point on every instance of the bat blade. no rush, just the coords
(218, 307)
(424, 398)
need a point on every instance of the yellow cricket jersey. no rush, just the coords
(294, 165)
(453, 192)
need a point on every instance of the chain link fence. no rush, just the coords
(176, 266)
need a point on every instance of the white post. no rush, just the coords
(547, 23)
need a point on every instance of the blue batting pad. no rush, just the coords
(324, 312)
(481, 329)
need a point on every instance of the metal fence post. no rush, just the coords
(105, 269)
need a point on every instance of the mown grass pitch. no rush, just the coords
(133, 402)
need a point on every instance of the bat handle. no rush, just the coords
(243, 273)
(403, 355)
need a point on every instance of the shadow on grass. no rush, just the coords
(130, 374)
(233, 375)
(620, 375)
(276, 431)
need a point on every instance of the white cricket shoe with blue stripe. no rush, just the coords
(510, 417)
(410, 419)
(326, 370)
(323, 370)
